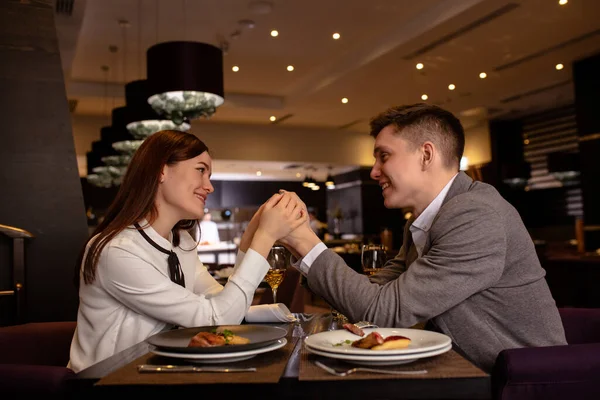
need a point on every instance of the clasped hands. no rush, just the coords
(284, 219)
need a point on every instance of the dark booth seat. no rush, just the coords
(554, 372)
(34, 358)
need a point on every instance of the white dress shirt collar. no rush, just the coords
(420, 226)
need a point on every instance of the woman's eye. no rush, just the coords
(201, 169)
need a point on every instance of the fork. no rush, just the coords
(379, 371)
(365, 324)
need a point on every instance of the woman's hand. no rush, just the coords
(251, 229)
(281, 215)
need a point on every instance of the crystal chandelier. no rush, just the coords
(186, 79)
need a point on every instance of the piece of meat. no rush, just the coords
(206, 339)
(372, 339)
(354, 329)
(393, 343)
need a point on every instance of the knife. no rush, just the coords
(189, 368)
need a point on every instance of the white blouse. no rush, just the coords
(133, 297)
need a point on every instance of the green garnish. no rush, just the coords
(343, 342)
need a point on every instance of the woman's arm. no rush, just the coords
(140, 286)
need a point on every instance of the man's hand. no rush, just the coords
(301, 240)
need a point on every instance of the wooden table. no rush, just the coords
(458, 379)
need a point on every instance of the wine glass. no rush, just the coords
(279, 261)
(373, 258)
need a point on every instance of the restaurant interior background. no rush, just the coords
(301, 80)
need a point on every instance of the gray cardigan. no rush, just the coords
(479, 280)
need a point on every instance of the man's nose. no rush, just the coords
(375, 172)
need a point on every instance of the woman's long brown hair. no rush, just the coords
(135, 198)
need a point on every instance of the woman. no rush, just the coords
(140, 273)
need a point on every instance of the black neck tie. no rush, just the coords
(175, 271)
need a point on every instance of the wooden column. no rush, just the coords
(40, 189)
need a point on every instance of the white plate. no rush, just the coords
(381, 360)
(220, 358)
(420, 341)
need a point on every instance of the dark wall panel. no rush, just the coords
(255, 193)
(376, 217)
(587, 87)
(40, 191)
(345, 201)
(587, 84)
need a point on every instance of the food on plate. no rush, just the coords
(374, 340)
(354, 329)
(214, 338)
(392, 343)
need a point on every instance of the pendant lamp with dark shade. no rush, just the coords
(186, 79)
(110, 172)
(140, 118)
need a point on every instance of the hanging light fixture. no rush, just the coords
(306, 181)
(115, 161)
(140, 119)
(186, 79)
(329, 182)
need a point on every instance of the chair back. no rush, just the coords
(37, 343)
(582, 325)
(34, 358)
(553, 372)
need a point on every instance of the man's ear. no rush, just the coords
(427, 155)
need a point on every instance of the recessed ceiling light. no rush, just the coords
(559, 66)
(451, 86)
(274, 33)
(258, 173)
(235, 68)
(272, 118)
(290, 68)
(420, 66)
(344, 100)
(298, 174)
(482, 75)
(336, 36)
(424, 97)
(563, 2)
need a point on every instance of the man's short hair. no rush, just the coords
(418, 123)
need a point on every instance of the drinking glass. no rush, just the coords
(279, 261)
(373, 258)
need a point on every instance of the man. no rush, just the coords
(209, 231)
(467, 264)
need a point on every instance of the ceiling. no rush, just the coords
(517, 43)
